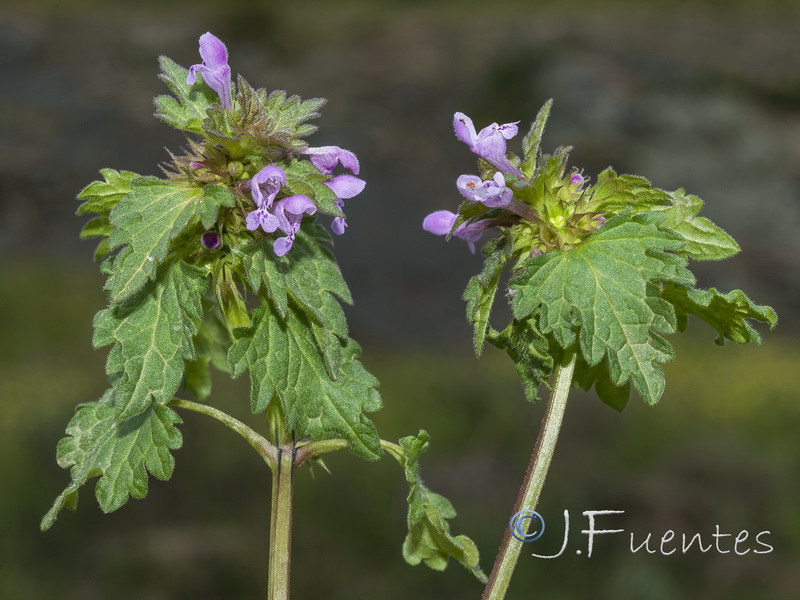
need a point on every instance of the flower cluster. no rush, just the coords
(276, 207)
(544, 208)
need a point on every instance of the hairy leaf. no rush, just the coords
(187, 109)
(598, 376)
(602, 293)
(533, 139)
(211, 348)
(152, 335)
(288, 116)
(308, 275)
(727, 313)
(529, 350)
(122, 453)
(148, 218)
(482, 288)
(101, 196)
(704, 240)
(613, 193)
(282, 357)
(429, 539)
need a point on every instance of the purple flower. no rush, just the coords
(577, 179)
(489, 143)
(261, 217)
(345, 187)
(441, 222)
(214, 68)
(492, 192)
(325, 159)
(211, 240)
(266, 184)
(289, 213)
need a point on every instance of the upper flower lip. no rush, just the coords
(214, 68)
(489, 143)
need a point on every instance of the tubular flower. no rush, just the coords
(345, 187)
(214, 68)
(441, 222)
(489, 143)
(289, 213)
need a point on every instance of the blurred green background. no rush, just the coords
(701, 95)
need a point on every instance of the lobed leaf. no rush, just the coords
(529, 350)
(152, 335)
(187, 110)
(614, 193)
(704, 240)
(482, 288)
(727, 313)
(533, 139)
(288, 116)
(101, 196)
(602, 294)
(308, 275)
(121, 452)
(147, 219)
(281, 354)
(429, 539)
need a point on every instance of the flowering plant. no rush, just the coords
(596, 278)
(222, 263)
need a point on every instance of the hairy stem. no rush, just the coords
(267, 451)
(510, 548)
(280, 526)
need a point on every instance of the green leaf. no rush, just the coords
(482, 288)
(727, 313)
(308, 275)
(429, 539)
(704, 240)
(303, 178)
(598, 376)
(187, 109)
(533, 139)
(288, 116)
(284, 362)
(122, 453)
(602, 293)
(529, 350)
(101, 196)
(211, 348)
(148, 218)
(613, 193)
(152, 335)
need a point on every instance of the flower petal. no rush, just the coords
(297, 205)
(470, 186)
(213, 51)
(338, 225)
(346, 186)
(439, 222)
(464, 128)
(325, 159)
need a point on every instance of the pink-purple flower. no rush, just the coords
(492, 192)
(214, 68)
(325, 158)
(289, 213)
(489, 143)
(345, 187)
(441, 222)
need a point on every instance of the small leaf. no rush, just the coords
(613, 193)
(152, 333)
(482, 288)
(288, 116)
(187, 109)
(727, 313)
(598, 376)
(533, 139)
(282, 357)
(147, 219)
(704, 240)
(602, 293)
(529, 350)
(121, 452)
(429, 539)
(101, 196)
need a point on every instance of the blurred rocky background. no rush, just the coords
(703, 95)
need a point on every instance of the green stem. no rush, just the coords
(267, 451)
(280, 526)
(308, 450)
(510, 548)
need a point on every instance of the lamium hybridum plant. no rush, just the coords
(226, 262)
(596, 276)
